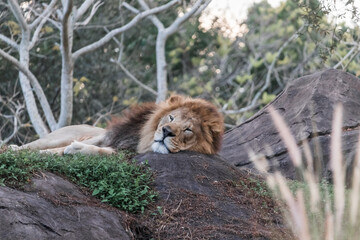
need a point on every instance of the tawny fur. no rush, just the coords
(197, 126)
(211, 121)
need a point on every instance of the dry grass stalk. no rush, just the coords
(296, 208)
(304, 232)
(326, 218)
(295, 155)
(259, 161)
(337, 167)
(287, 137)
(354, 196)
(309, 176)
(329, 223)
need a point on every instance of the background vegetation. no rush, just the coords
(240, 74)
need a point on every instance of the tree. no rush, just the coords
(69, 18)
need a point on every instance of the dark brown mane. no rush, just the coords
(124, 132)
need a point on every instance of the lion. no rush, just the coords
(177, 124)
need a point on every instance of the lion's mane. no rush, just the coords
(136, 127)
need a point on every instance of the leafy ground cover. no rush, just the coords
(114, 179)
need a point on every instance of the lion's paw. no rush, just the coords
(14, 147)
(45, 151)
(74, 147)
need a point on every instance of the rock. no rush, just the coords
(53, 208)
(204, 197)
(307, 106)
(200, 197)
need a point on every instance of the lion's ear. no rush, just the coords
(217, 128)
(174, 99)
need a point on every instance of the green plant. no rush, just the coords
(122, 184)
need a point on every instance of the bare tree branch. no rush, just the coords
(352, 58)
(83, 8)
(356, 47)
(180, 20)
(129, 7)
(36, 86)
(92, 13)
(15, 8)
(16, 110)
(127, 72)
(153, 18)
(10, 42)
(163, 34)
(132, 77)
(124, 28)
(44, 18)
(254, 103)
(66, 28)
(44, 15)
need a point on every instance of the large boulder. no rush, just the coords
(307, 106)
(53, 208)
(205, 197)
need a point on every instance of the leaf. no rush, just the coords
(270, 57)
(267, 98)
(256, 63)
(14, 28)
(47, 29)
(55, 47)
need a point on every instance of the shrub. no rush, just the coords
(113, 179)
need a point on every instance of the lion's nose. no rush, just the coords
(167, 132)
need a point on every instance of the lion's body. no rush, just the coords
(171, 126)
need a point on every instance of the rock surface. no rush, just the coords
(200, 197)
(53, 208)
(204, 197)
(307, 106)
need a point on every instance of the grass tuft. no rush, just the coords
(112, 179)
(316, 209)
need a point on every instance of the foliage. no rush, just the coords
(122, 184)
(202, 62)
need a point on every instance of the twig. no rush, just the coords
(92, 13)
(122, 29)
(132, 77)
(254, 103)
(346, 56)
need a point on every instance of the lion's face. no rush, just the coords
(176, 131)
(183, 124)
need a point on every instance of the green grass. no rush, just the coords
(326, 189)
(112, 179)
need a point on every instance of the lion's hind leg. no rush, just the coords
(83, 148)
(58, 151)
(58, 140)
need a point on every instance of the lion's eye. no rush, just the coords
(171, 118)
(188, 130)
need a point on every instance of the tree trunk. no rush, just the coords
(31, 106)
(67, 70)
(161, 70)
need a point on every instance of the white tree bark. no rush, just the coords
(67, 71)
(161, 70)
(101, 42)
(30, 102)
(30, 35)
(163, 34)
(36, 87)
